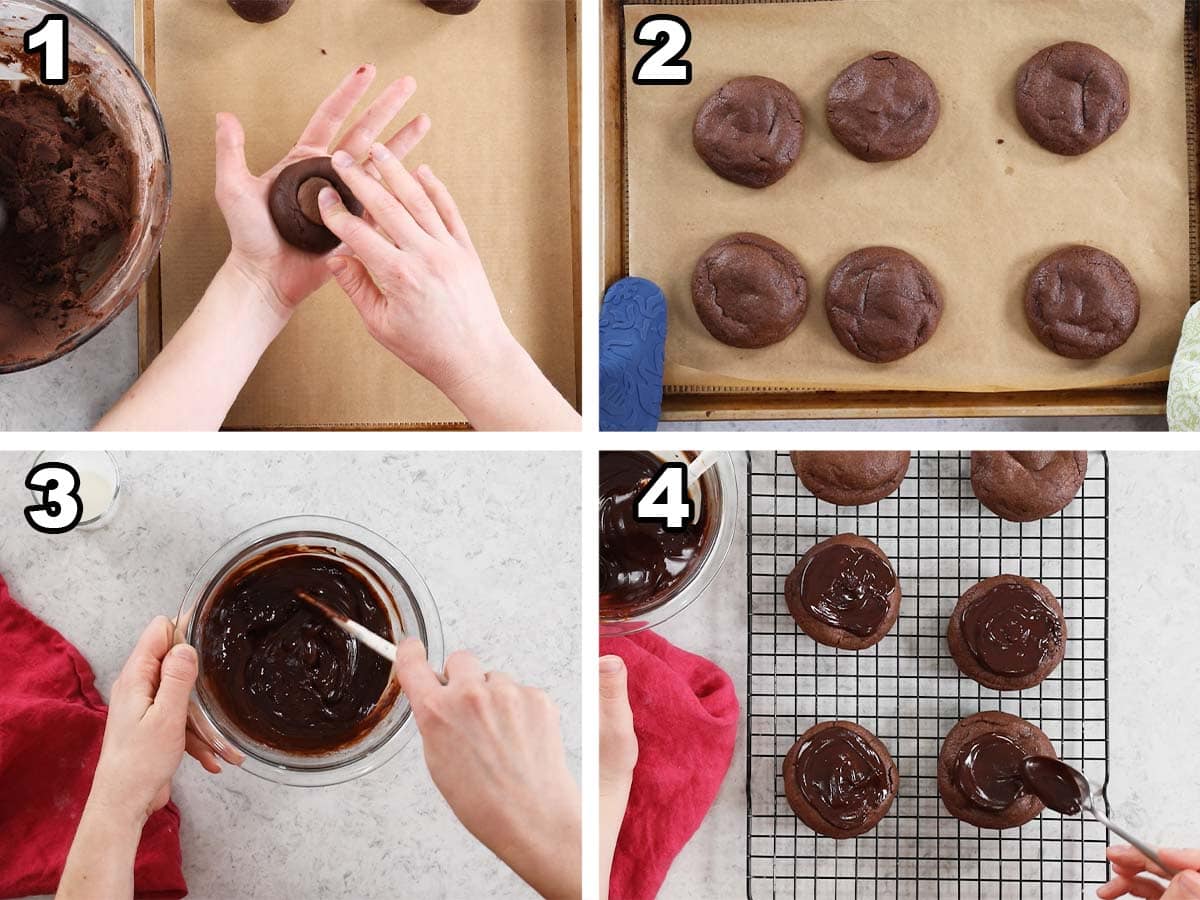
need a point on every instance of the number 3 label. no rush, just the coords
(49, 40)
(670, 37)
(665, 500)
(60, 509)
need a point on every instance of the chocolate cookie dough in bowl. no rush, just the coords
(85, 182)
(649, 574)
(282, 691)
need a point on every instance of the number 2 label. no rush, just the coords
(670, 37)
(49, 41)
(665, 500)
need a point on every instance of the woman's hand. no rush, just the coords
(287, 275)
(1131, 869)
(422, 292)
(494, 750)
(618, 758)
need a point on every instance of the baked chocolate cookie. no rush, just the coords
(1026, 485)
(1081, 302)
(851, 477)
(979, 770)
(1072, 97)
(293, 204)
(883, 107)
(749, 291)
(844, 593)
(882, 304)
(452, 7)
(1007, 632)
(840, 779)
(261, 11)
(750, 131)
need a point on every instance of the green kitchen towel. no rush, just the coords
(1183, 395)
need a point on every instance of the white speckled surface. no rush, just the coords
(72, 393)
(506, 583)
(1154, 572)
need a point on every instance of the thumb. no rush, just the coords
(179, 669)
(232, 172)
(353, 278)
(412, 670)
(1185, 886)
(618, 741)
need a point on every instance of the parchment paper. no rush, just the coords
(495, 84)
(979, 213)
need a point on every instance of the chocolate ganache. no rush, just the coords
(847, 587)
(640, 562)
(1010, 630)
(988, 771)
(842, 777)
(282, 672)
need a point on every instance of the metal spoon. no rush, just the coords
(1065, 790)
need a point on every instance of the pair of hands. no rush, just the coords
(493, 748)
(417, 282)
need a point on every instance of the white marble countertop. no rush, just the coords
(506, 585)
(1154, 571)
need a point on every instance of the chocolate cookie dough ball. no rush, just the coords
(979, 770)
(882, 304)
(749, 291)
(261, 11)
(883, 107)
(1007, 632)
(452, 7)
(839, 779)
(1082, 303)
(293, 204)
(844, 593)
(1072, 97)
(851, 477)
(750, 131)
(1026, 485)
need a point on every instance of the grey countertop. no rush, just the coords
(1154, 569)
(507, 587)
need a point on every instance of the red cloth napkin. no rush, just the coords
(51, 724)
(685, 713)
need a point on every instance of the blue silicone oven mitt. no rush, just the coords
(633, 336)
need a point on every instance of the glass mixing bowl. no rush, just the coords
(411, 612)
(130, 107)
(719, 487)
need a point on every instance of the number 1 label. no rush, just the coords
(49, 41)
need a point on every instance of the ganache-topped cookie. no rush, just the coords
(1007, 632)
(883, 107)
(1026, 485)
(750, 131)
(979, 770)
(851, 477)
(844, 593)
(1072, 97)
(749, 291)
(839, 779)
(1081, 302)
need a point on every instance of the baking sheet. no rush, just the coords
(979, 213)
(495, 83)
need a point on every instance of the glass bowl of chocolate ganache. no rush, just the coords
(647, 573)
(283, 692)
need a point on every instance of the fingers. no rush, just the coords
(331, 115)
(413, 671)
(179, 670)
(139, 678)
(618, 742)
(1185, 886)
(408, 191)
(404, 141)
(445, 205)
(1132, 887)
(202, 753)
(232, 172)
(461, 666)
(379, 203)
(368, 244)
(353, 278)
(1129, 860)
(378, 116)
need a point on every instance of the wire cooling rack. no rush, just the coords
(908, 690)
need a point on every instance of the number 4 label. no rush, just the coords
(665, 500)
(49, 40)
(670, 37)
